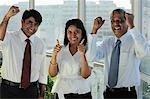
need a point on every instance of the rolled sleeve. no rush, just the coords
(141, 46)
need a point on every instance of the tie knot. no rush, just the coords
(27, 40)
(118, 42)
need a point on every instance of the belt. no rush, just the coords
(120, 89)
(78, 95)
(14, 84)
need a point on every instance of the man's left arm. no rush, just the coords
(142, 47)
(42, 88)
(43, 75)
(43, 79)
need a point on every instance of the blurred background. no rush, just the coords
(56, 12)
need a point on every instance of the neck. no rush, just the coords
(25, 33)
(73, 49)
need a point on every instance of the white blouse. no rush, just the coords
(69, 79)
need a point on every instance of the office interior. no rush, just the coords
(55, 14)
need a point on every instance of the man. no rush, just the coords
(23, 48)
(125, 49)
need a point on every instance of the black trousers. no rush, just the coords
(77, 96)
(120, 93)
(12, 91)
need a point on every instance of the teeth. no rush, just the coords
(73, 38)
(117, 28)
(30, 30)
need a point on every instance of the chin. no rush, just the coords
(116, 33)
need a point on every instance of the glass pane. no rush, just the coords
(55, 14)
(15, 22)
(146, 32)
(146, 19)
(103, 8)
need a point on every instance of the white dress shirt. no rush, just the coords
(13, 47)
(69, 79)
(133, 48)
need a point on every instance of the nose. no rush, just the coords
(32, 27)
(74, 33)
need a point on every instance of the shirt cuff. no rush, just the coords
(43, 79)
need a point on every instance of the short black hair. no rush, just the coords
(32, 13)
(79, 24)
(120, 11)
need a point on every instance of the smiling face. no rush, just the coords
(74, 35)
(29, 26)
(118, 24)
(74, 32)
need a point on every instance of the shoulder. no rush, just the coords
(11, 35)
(63, 51)
(39, 43)
(38, 40)
(109, 39)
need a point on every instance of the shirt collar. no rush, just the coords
(67, 49)
(123, 37)
(24, 37)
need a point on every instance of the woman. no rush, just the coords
(70, 65)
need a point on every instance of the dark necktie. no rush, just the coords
(26, 70)
(114, 65)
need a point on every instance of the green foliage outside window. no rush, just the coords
(48, 94)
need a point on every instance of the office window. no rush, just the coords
(144, 68)
(103, 8)
(146, 32)
(146, 19)
(55, 14)
(15, 21)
